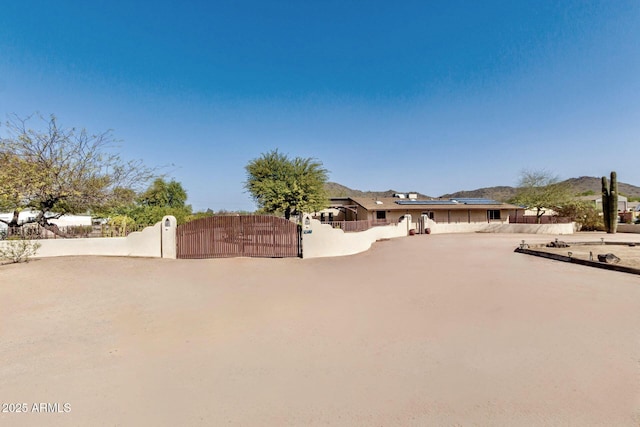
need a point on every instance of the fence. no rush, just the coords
(156, 241)
(354, 226)
(233, 236)
(545, 219)
(37, 232)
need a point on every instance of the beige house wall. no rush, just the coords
(457, 216)
(454, 216)
(364, 214)
(334, 213)
(441, 215)
(463, 216)
(394, 216)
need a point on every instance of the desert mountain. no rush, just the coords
(500, 193)
(581, 185)
(337, 190)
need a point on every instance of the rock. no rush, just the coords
(608, 258)
(558, 244)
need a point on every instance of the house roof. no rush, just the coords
(598, 198)
(396, 204)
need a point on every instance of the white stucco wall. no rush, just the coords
(321, 240)
(628, 228)
(169, 226)
(503, 228)
(145, 243)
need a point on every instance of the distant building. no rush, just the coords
(30, 215)
(623, 205)
(393, 209)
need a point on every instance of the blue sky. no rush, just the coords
(421, 96)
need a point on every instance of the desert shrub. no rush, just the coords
(15, 250)
(145, 216)
(584, 214)
(119, 224)
(78, 230)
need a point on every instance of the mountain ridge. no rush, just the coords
(580, 186)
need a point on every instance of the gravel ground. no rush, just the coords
(629, 254)
(423, 330)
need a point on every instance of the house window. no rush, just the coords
(493, 214)
(381, 215)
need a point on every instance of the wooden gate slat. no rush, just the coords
(234, 236)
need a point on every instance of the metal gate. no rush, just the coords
(237, 236)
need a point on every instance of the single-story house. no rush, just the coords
(393, 209)
(596, 200)
(632, 214)
(534, 212)
(29, 215)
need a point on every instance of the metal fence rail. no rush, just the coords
(545, 219)
(354, 226)
(37, 232)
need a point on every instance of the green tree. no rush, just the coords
(541, 191)
(58, 171)
(160, 199)
(149, 215)
(287, 186)
(18, 179)
(165, 194)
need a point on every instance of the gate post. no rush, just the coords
(168, 241)
(409, 223)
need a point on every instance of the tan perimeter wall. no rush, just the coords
(629, 228)
(145, 243)
(321, 240)
(502, 228)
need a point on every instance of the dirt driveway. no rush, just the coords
(423, 330)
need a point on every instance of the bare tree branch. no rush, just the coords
(59, 171)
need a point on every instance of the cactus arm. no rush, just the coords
(613, 203)
(605, 203)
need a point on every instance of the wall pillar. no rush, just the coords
(168, 239)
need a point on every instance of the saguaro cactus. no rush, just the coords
(605, 203)
(610, 203)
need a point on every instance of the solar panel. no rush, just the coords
(482, 202)
(460, 201)
(477, 201)
(426, 202)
